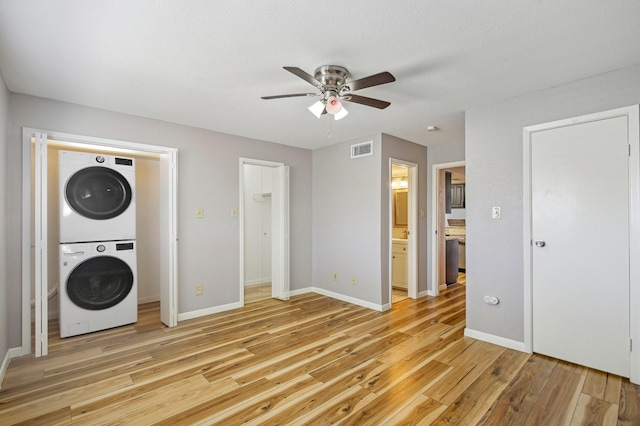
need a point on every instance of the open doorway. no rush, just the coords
(403, 225)
(264, 236)
(449, 222)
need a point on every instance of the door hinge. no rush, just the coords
(630, 345)
(629, 150)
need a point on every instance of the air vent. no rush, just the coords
(362, 149)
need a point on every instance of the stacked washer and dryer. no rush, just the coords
(98, 283)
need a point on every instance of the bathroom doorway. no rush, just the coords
(403, 223)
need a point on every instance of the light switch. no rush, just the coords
(234, 212)
(496, 212)
(199, 212)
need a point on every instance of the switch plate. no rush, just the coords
(496, 212)
(354, 280)
(199, 212)
(335, 276)
(234, 212)
(421, 212)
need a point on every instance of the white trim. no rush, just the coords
(208, 311)
(435, 168)
(301, 291)
(426, 293)
(89, 142)
(496, 340)
(633, 114)
(148, 299)
(353, 300)
(11, 353)
(257, 281)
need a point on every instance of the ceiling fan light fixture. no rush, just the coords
(340, 114)
(333, 105)
(317, 109)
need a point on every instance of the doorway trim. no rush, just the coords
(633, 119)
(435, 209)
(39, 263)
(280, 228)
(412, 244)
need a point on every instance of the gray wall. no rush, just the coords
(208, 177)
(438, 154)
(494, 174)
(4, 317)
(346, 220)
(400, 149)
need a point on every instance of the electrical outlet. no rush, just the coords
(199, 290)
(491, 300)
(335, 276)
(354, 280)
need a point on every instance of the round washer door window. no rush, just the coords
(99, 283)
(98, 193)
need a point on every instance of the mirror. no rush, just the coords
(400, 208)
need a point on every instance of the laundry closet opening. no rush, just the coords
(102, 234)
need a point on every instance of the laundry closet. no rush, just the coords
(104, 260)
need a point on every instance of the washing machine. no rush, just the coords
(98, 286)
(97, 197)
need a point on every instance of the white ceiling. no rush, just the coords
(207, 63)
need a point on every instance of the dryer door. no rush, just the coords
(98, 193)
(99, 283)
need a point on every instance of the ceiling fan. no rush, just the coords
(331, 81)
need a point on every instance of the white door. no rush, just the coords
(169, 246)
(580, 236)
(280, 233)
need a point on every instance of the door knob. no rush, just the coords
(540, 243)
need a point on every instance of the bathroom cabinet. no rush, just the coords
(399, 264)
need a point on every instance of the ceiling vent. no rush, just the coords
(362, 149)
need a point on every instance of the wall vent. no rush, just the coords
(362, 149)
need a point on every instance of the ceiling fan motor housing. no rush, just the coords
(332, 76)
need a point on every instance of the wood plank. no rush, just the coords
(471, 405)
(554, 406)
(629, 406)
(516, 402)
(594, 411)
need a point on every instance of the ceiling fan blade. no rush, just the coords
(376, 103)
(372, 80)
(303, 75)
(293, 95)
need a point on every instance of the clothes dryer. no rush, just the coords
(98, 286)
(97, 197)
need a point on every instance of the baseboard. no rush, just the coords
(257, 281)
(148, 299)
(496, 340)
(11, 353)
(426, 293)
(214, 310)
(301, 291)
(363, 303)
(4, 366)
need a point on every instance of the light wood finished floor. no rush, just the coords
(310, 361)
(257, 292)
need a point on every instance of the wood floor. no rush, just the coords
(310, 361)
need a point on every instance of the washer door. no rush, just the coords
(98, 193)
(99, 283)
